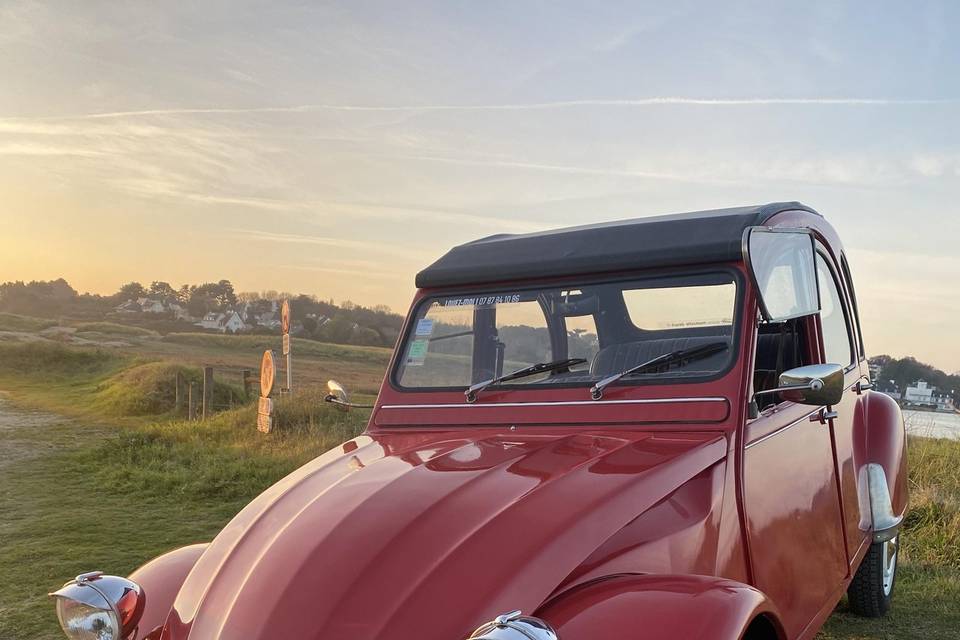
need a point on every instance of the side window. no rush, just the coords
(582, 339)
(853, 301)
(836, 337)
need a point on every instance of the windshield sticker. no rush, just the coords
(417, 353)
(425, 327)
(482, 301)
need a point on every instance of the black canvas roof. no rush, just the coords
(679, 239)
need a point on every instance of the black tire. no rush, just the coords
(871, 590)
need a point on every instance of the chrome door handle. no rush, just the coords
(824, 415)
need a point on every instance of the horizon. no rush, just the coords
(336, 150)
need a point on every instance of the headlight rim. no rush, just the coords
(121, 597)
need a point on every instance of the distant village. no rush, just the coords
(244, 317)
(920, 394)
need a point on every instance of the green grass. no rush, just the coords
(14, 322)
(376, 355)
(114, 329)
(99, 491)
(927, 598)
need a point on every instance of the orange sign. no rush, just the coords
(285, 317)
(268, 373)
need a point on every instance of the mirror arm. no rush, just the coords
(814, 385)
(332, 399)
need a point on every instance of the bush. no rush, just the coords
(150, 389)
(52, 359)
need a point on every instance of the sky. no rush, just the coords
(337, 148)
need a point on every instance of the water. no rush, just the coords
(932, 425)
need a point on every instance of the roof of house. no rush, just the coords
(672, 240)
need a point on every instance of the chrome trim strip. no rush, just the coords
(561, 403)
(781, 429)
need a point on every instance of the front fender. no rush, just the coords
(660, 607)
(161, 579)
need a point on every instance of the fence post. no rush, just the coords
(192, 402)
(246, 382)
(178, 396)
(207, 392)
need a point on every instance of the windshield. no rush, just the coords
(603, 329)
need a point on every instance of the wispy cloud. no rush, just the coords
(376, 248)
(528, 106)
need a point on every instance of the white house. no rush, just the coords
(232, 322)
(922, 394)
(210, 321)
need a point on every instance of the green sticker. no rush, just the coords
(418, 352)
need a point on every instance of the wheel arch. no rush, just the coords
(665, 607)
(161, 579)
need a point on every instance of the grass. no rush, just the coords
(114, 329)
(119, 479)
(928, 583)
(14, 322)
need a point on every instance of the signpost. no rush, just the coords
(285, 328)
(268, 373)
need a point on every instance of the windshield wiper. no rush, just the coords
(540, 367)
(678, 358)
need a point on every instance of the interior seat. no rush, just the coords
(615, 358)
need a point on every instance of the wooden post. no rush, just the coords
(247, 383)
(192, 402)
(178, 397)
(207, 392)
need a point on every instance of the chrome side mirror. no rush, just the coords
(337, 395)
(815, 384)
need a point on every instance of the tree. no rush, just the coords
(162, 290)
(130, 291)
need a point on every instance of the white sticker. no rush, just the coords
(483, 301)
(424, 327)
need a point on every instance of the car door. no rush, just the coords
(791, 500)
(839, 346)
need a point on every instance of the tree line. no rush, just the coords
(903, 372)
(344, 323)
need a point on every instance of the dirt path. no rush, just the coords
(24, 433)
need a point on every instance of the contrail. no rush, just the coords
(531, 106)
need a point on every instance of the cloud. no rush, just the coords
(31, 149)
(530, 106)
(376, 248)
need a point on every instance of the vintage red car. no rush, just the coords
(656, 429)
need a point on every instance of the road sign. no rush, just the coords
(268, 372)
(286, 344)
(285, 317)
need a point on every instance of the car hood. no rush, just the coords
(426, 535)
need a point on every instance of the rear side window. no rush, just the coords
(853, 301)
(836, 336)
(681, 307)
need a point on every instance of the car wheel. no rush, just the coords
(871, 590)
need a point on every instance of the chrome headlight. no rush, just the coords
(515, 626)
(94, 606)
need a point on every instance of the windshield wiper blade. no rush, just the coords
(679, 358)
(540, 367)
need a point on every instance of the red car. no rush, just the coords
(659, 428)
